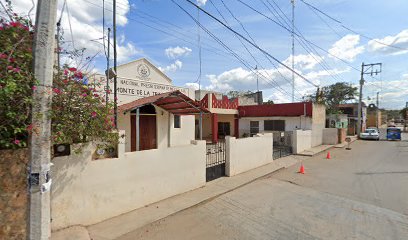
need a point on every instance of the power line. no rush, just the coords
(349, 29)
(249, 35)
(253, 44)
(226, 47)
(313, 44)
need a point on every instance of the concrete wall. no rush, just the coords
(301, 140)
(85, 192)
(13, 194)
(291, 123)
(178, 136)
(330, 136)
(319, 123)
(248, 153)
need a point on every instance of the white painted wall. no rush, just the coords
(291, 123)
(248, 153)
(301, 140)
(319, 123)
(178, 136)
(85, 192)
(330, 136)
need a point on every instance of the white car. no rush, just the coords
(370, 133)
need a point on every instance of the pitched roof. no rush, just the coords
(174, 102)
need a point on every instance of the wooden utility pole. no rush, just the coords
(40, 140)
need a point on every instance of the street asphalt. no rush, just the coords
(360, 193)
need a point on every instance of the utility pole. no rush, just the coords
(257, 79)
(293, 50)
(364, 70)
(115, 58)
(40, 140)
(107, 69)
(58, 45)
(378, 110)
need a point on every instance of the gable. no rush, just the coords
(142, 70)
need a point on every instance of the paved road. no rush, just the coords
(359, 194)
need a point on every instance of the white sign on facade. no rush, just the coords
(139, 79)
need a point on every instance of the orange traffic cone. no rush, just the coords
(328, 155)
(302, 169)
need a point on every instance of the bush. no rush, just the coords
(78, 113)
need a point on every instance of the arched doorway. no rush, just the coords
(147, 126)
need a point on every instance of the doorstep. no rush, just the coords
(115, 227)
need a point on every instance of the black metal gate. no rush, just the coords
(282, 144)
(216, 157)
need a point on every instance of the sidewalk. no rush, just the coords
(125, 223)
(321, 148)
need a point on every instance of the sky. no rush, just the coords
(327, 50)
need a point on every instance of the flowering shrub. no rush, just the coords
(78, 112)
(16, 81)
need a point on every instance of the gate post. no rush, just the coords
(214, 127)
(228, 156)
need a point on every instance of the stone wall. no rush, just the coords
(13, 194)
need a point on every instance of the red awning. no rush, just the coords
(174, 102)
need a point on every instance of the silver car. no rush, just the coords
(370, 134)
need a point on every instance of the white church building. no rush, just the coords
(161, 120)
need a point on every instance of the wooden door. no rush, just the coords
(147, 136)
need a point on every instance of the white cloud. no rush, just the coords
(400, 41)
(393, 94)
(304, 61)
(194, 86)
(175, 52)
(87, 25)
(172, 67)
(346, 48)
(201, 2)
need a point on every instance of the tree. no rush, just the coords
(404, 112)
(235, 93)
(335, 94)
(78, 112)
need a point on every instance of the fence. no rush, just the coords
(244, 154)
(87, 191)
(282, 144)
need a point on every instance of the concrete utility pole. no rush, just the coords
(115, 57)
(364, 70)
(378, 110)
(257, 79)
(107, 69)
(293, 50)
(40, 140)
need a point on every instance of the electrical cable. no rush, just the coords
(226, 47)
(246, 39)
(349, 29)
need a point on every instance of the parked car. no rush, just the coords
(370, 134)
(393, 133)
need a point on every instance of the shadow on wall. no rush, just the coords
(65, 163)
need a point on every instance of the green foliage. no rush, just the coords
(78, 113)
(235, 94)
(16, 81)
(335, 94)
(403, 113)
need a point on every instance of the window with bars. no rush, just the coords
(274, 125)
(177, 121)
(253, 128)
